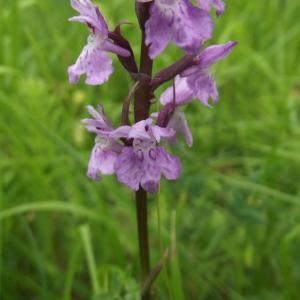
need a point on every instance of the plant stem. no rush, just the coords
(142, 224)
(172, 71)
(142, 103)
(144, 92)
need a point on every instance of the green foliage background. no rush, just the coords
(232, 221)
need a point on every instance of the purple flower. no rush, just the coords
(196, 82)
(99, 124)
(179, 124)
(106, 149)
(174, 119)
(144, 163)
(93, 60)
(217, 4)
(176, 21)
(103, 158)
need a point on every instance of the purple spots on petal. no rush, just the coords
(152, 154)
(140, 155)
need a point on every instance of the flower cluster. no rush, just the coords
(140, 164)
(134, 152)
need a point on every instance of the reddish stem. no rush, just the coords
(142, 102)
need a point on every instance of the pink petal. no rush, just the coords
(94, 63)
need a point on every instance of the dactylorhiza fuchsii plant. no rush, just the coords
(135, 153)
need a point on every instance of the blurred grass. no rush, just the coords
(233, 219)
